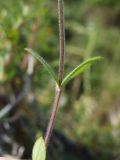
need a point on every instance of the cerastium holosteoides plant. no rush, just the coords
(39, 149)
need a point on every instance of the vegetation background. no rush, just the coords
(88, 119)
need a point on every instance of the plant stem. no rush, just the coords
(53, 114)
(60, 72)
(61, 38)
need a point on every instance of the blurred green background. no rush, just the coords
(88, 120)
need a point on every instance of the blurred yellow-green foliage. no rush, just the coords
(89, 112)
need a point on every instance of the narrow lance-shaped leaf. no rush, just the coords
(44, 63)
(39, 150)
(79, 69)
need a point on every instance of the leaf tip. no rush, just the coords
(99, 58)
(39, 149)
(27, 49)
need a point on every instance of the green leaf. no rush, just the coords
(39, 150)
(79, 69)
(44, 63)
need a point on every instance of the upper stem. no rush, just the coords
(61, 39)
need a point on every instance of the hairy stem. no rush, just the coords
(61, 38)
(60, 73)
(53, 114)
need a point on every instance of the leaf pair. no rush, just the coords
(79, 69)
